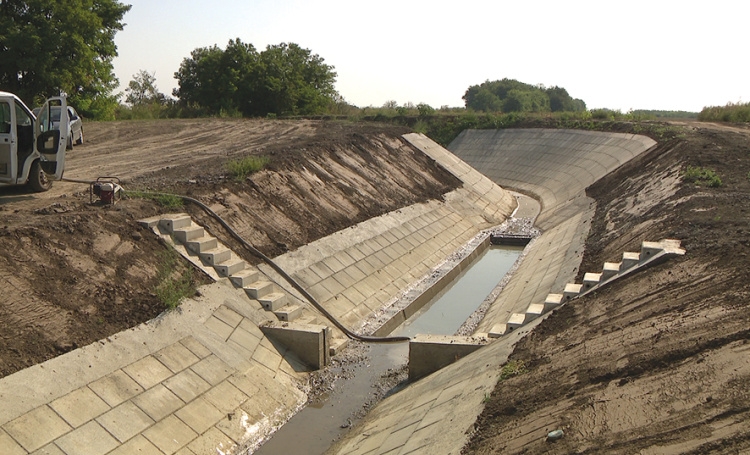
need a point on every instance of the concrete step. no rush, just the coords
(175, 221)
(259, 289)
(202, 244)
(590, 280)
(150, 222)
(498, 330)
(516, 320)
(185, 234)
(244, 277)
(534, 311)
(230, 266)
(650, 249)
(571, 290)
(273, 301)
(629, 259)
(216, 255)
(610, 269)
(288, 313)
(552, 301)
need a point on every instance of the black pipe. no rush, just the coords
(287, 277)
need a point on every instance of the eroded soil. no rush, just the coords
(72, 273)
(658, 362)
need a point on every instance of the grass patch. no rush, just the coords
(168, 201)
(702, 176)
(173, 286)
(241, 168)
(512, 368)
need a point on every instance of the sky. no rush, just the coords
(656, 54)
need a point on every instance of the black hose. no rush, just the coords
(280, 271)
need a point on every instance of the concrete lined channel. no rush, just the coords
(312, 430)
(206, 379)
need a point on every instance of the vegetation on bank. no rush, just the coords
(174, 281)
(732, 112)
(702, 176)
(241, 168)
(168, 201)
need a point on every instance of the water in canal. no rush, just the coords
(312, 430)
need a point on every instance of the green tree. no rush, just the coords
(482, 99)
(292, 80)
(207, 79)
(48, 47)
(510, 95)
(142, 90)
(425, 110)
(282, 80)
(560, 100)
(526, 101)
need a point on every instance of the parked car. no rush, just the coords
(75, 125)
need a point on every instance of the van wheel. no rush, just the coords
(69, 146)
(38, 179)
(79, 141)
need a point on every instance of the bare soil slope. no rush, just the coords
(658, 362)
(72, 273)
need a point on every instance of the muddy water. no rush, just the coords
(314, 428)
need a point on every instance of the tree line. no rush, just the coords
(53, 47)
(284, 79)
(510, 95)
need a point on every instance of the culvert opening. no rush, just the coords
(440, 310)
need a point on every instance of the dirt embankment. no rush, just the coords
(72, 273)
(658, 362)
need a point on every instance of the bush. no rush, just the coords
(240, 169)
(701, 176)
(512, 368)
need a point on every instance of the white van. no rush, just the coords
(32, 150)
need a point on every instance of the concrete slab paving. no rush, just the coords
(144, 378)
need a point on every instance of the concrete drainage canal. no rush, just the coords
(446, 307)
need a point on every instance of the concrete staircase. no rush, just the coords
(216, 256)
(651, 253)
(218, 261)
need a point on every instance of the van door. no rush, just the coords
(7, 140)
(51, 135)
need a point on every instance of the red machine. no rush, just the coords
(107, 189)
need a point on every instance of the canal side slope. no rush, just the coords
(435, 414)
(122, 376)
(656, 363)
